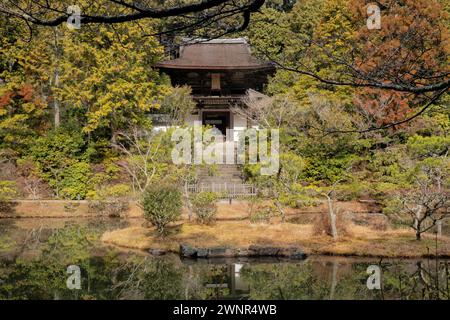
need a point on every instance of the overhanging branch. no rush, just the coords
(136, 12)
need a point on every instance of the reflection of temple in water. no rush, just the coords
(228, 283)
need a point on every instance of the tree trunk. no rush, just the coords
(418, 224)
(280, 210)
(56, 108)
(332, 216)
(439, 228)
(188, 202)
(418, 233)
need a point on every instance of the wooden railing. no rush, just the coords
(225, 190)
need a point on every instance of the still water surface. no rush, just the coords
(35, 254)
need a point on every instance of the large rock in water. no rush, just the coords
(263, 251)
(187, 251)
(292, 253)
(269, 251)
(221, 252)
(202, 253)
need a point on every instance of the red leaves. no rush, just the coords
(24, 94)
(412, 38)
(6, 99)
(384, 107)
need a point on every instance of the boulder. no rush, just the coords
(221, 252)
(187, 251)
(157, 252)
(298, 255)
(202, 253)
(243, 252)
(263, 251)
(292, 253)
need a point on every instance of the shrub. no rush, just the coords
(112, 208)
(212, 170)
(8, 190)
(204, 206)
(328, 169)
(75, 181)
(352, 191)
(162, 205)
(7, 206)
(263, 213)
(115, 191)
(421, 147)
(391, 205)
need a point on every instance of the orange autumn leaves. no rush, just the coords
(22, 111)
(411, 48)
(384, 107)
(25, 93)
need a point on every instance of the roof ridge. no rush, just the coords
(193, 41)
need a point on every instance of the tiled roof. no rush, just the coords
(220, 54)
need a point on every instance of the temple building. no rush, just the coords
(221, 73)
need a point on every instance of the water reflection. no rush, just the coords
(34, 256)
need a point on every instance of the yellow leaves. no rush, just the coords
(14, 122)
(28, 107)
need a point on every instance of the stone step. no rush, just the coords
(221, 169)
(228, 174)
(221, 181)
(220, 175)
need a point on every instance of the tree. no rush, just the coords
(203, 14)
(107, 74)
(177, 105)
(429, 202)
(416, 26)
(162, 205)
(404, 62)
(22, 112)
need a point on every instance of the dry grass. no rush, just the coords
(362, 242)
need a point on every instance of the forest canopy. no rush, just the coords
(363, 109)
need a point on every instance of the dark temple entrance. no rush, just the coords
(218, 119)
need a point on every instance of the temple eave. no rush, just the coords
(196, 67)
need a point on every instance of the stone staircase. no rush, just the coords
(227, 179)
(225, 173)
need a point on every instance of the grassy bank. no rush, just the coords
(362, 241)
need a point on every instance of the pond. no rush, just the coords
(35, 255)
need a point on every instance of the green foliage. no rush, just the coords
(115, 191)
(392, 205)
(107, 87)
(383, 189)
(204, 206)
(353, 191)
(213, 170)
(420, 147)
(61, 159)
(8, 190)
(74, 182)
(329, 170)
(162, 204)
(292, 167)
(177, 105)
(263, 212)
